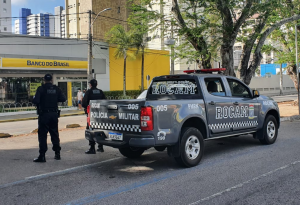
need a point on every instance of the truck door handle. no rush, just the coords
(236, 103)
(212, 103)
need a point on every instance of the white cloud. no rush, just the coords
(19, 2)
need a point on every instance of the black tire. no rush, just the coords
(131, 152)
(270, 130)
(194, 136)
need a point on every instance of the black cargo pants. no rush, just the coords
(48, 122)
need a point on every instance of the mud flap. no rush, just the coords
(174, 151)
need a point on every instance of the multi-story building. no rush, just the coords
(77, 17)
(17, 26)
(5, 11)
(38, 25)
(59, 24)
(22, 21)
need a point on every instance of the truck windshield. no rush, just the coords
(174, 89)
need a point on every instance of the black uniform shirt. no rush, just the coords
(92, 94)
(47, 96)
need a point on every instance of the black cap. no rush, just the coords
(48, 77)
(93, 82)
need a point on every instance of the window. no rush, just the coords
(5, 29)
(238, 89)
(4, 10)
(119, 10)
(163, 89)
(4, 1)
(215, 86)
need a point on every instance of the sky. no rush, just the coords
(36, 6)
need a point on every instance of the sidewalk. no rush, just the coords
(12, 117)
(285, 98)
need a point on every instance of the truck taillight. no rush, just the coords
(146, 119)
(88, 113)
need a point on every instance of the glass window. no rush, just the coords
(174, 89)
(4, 10)
(5, 29)
(4, 1)
(215, 86)
(238, 89)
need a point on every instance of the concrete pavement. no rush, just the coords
(285, 98)
(235, 170)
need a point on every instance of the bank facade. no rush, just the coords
(24, 60)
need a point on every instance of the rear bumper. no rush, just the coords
(133, 140)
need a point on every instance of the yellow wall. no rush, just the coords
(156, 63)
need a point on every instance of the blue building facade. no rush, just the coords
(270, 69)
(43, 19)
(23, 13)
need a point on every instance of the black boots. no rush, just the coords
(41, 158)
(100, 148)
(57, 155)
(91, 150)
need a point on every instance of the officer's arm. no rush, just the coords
(61, 96)
(37, 98)
(85, 101)
(104, 97)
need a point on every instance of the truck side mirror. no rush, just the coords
(256, 94)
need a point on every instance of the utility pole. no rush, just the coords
(90, 49)
(172, 49)
(297, 66)
(281, 80)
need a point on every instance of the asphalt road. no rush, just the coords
(237, 170)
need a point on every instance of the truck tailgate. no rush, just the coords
(118, 115)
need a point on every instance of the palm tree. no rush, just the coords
(123, 40)
(138, 43)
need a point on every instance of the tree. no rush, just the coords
(139, 21)
(285, 38)
(123, 41)
(248, 21)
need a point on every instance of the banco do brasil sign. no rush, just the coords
(43, 63)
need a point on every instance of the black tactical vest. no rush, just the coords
(96, 94)
(49, 97)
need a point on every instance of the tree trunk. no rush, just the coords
(292, 72)
(124, 77)
(142, 70)
(227, 59)
(281, 80)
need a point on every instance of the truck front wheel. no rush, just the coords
(270, 130)
(191, 147)
(131, 152)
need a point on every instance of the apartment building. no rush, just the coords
(59, 22)
(5, 11)
(77, 18)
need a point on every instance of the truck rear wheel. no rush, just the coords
(191, 147)
(270, 130)
(131, 152)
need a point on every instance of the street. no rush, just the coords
(236, 170)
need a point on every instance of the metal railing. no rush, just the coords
(6, 107)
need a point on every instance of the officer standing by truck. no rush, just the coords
(46, 98)
(93, 94)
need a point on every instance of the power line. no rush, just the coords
(61, 15)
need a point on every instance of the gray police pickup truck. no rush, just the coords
(179, 113)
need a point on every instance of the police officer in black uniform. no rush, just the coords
(46, 98)
(93, 94)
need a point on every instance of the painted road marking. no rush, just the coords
(50, 174)
(244, 183)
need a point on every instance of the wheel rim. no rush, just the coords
(271, 130)
(192, 147)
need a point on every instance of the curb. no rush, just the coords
(5, 135)
(34, 118)
(72, 125)
(292, 118)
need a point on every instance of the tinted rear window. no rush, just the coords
(174, 89)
